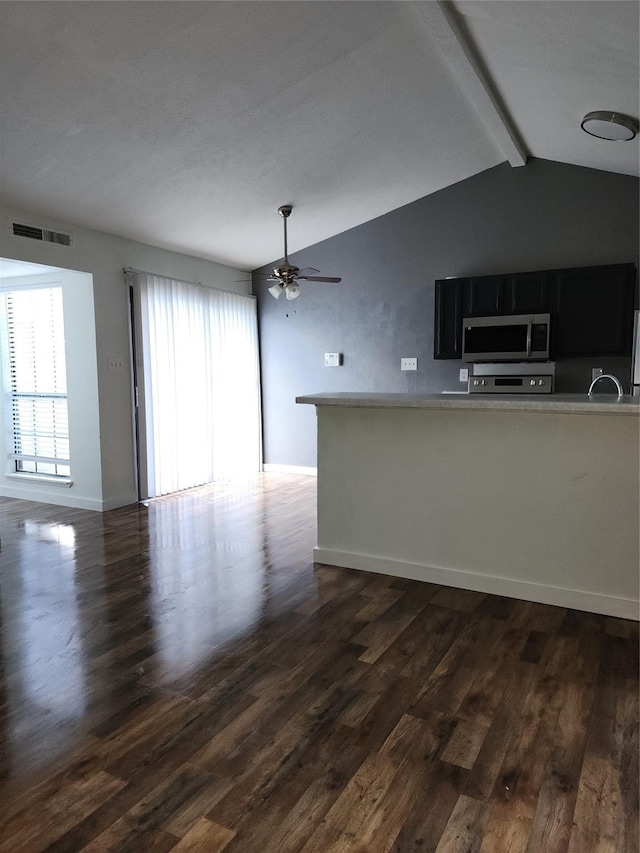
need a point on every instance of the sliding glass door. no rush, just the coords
(198, 387)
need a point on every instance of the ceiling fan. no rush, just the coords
(286, 276)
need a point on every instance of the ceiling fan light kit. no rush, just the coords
(286, 276)
(615, 127)
(292, 291)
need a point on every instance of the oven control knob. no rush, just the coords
(484, 382)
(532, 382)
(540, 381)
(475, 382)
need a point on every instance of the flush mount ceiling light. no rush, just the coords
(613, 126)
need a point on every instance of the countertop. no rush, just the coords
(608, 404)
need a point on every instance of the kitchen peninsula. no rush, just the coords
(528, 497)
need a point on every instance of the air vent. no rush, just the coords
(33, 232)
(27, 231)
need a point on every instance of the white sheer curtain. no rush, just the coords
(198, 379)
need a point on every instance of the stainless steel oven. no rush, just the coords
(514, 377)
(539, 384)
(516, 337)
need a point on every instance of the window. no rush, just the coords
(35, 380)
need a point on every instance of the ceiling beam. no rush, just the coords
(443, 26)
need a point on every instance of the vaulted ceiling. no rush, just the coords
(186, 124)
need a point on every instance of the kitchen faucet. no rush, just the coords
(606, 376)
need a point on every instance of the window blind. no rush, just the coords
(200, 399)
(36, 381)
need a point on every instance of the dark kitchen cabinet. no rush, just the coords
(593, 311)
(591, 307)
(462, 297)
(483, 295)
(447, 341)
(528, 293)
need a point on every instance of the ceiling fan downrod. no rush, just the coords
(285, 212)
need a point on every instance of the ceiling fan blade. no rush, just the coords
(306, 271)
(319, 278)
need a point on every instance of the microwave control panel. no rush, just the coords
(542, 384)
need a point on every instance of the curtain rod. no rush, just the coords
(134, 271)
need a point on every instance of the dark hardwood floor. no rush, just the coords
(182, 677)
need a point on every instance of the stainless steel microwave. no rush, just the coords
(517, 337)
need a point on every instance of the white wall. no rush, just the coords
(536, 505)
(108, 436)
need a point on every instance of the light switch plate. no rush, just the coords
(408, 364)
(332, 359)
(464, 374)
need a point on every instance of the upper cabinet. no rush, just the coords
(449, 314)
(593, 311)
(591, 307)
(483, 295)
(528, 293)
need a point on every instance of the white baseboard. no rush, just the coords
(271, 468)
(117, 502)
(64, 498)
(61, 498)
(593, 602)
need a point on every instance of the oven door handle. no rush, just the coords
(528, 340)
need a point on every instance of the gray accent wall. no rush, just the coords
(545, 215)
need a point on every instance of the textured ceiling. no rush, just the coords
(186, 124)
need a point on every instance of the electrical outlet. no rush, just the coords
(596, 371)
(408, 364)
(116, 363)
(332, 359)
(464, 374)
